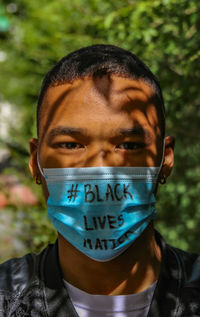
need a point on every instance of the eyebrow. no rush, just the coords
(61, 130)
(137, 131)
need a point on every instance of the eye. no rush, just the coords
(131, 146)
(69, 145)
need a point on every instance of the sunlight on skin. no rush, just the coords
(108, 121)
(100, 117)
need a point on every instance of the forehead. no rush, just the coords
(97, 97)
(107, 86)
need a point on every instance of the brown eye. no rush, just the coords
(131, 146)
(69, 145)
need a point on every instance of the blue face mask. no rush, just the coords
(101, 210)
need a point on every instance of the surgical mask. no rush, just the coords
(101, 211)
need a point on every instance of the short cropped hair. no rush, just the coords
(97, 61)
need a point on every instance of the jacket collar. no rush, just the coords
(165, 299)
(57, 300)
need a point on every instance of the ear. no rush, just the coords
(33, 166)
(168, 162)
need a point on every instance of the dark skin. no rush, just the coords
(108, 121)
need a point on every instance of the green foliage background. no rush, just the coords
(163, 33)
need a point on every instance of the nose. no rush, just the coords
(98, 159)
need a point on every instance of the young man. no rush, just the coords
(100, 154)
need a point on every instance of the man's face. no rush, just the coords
(108, 121)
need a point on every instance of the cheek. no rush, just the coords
(152, 156)
(159, 151)
(145, 158)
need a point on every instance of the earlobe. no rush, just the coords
(33, 157)
(168, 157)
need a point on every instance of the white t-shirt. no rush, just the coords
(88, 305)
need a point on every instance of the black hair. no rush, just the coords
(96, 61)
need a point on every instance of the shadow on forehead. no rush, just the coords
(143, 94)
(51, 112)
(105, 87)
(120, 84)
(142, 98)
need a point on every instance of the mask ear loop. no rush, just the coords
(38, 164)
(162, 179)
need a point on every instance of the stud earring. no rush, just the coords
(162, 179)
(38, 180)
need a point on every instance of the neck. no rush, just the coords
(131, 272)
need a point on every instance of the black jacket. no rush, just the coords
(32, 286)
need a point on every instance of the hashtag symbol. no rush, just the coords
(73, 192)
